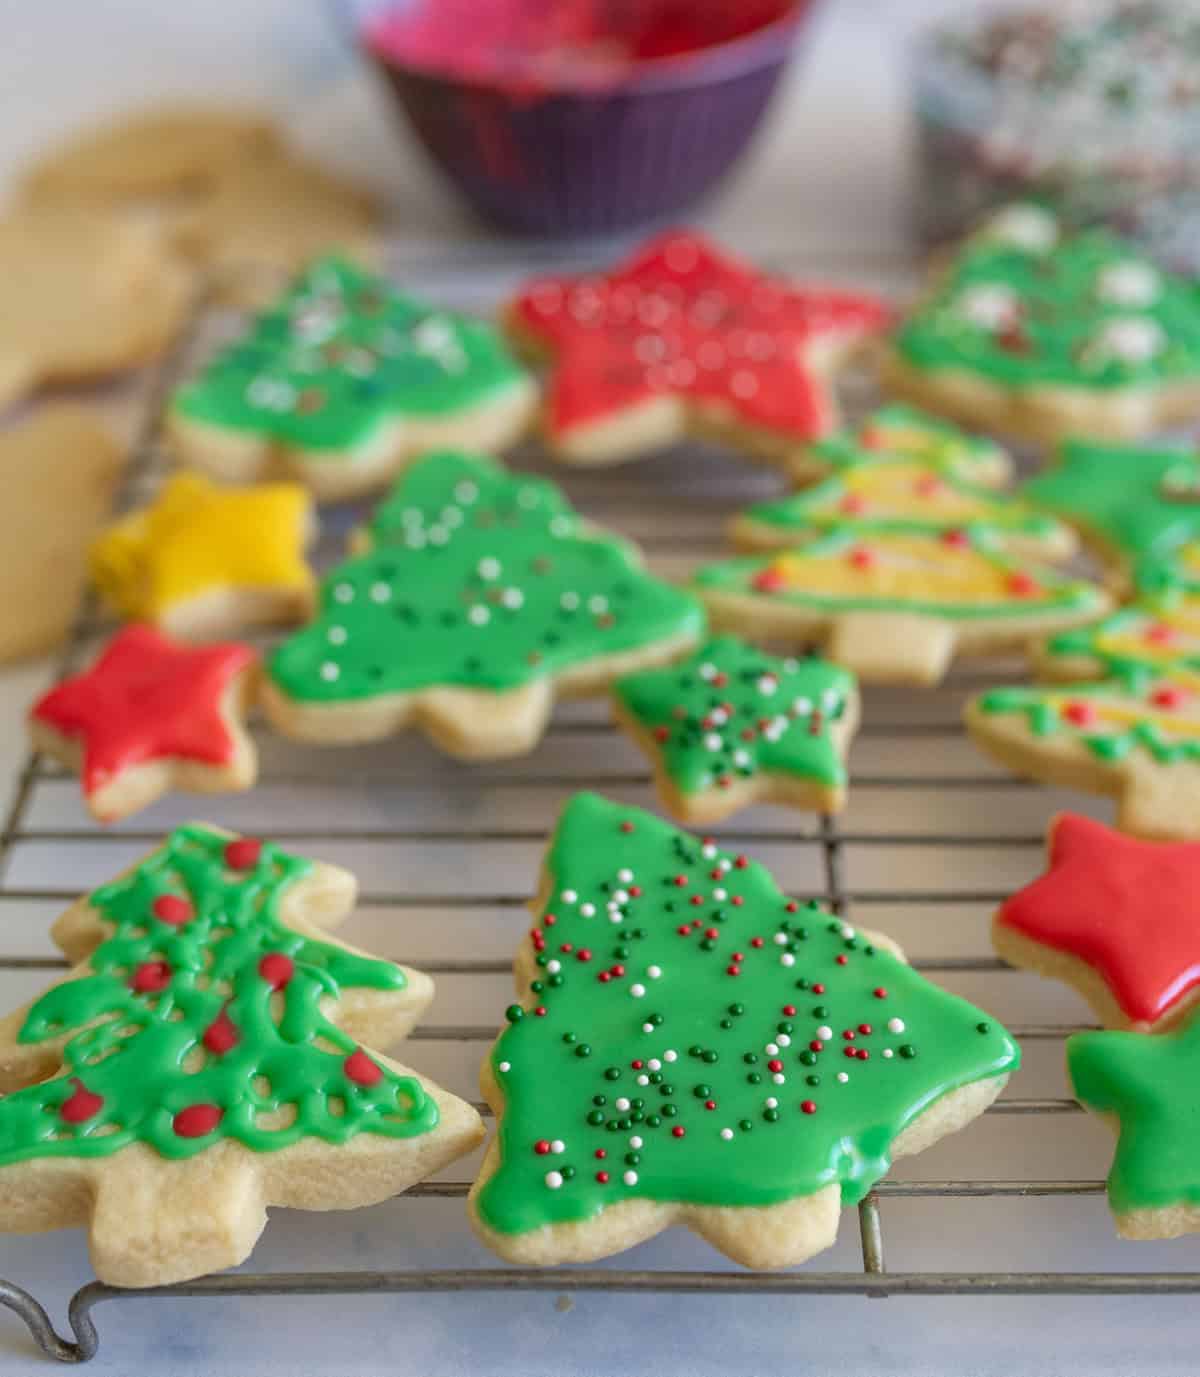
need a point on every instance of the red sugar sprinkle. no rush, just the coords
(715, 874)
(678, 1131)
(604, 977)
(738, 956)
(756, 941)
(1021, 585)
(791, 906)
(879, 992)
(816, 1045)
(1079, 714)
(173, 909)
(549, 920)
(602, 1177)
(862, 558)
(712, 932)
(842, 960)
(862, 1054)
(680, 881)
(740, 862)
(697, 900)
(737, 901)
(1160, 633)
(774, 1064)
(849, 1051)
(566, 946)
(542, 1146)
(617, 970)
(956, 540)
(221, 1034)
(627, 827)
(710, 1104)
(849, 1034)
(789, 1010)
(601, 1153)
(583, 954)
(864, 1028)
(818, 988)
(637, 1063)
(540, 1011)
(732, 970)
(684, 930)
(635, 891)
(808, 1106)
(1167, 697)
(696, 923)
(662, 734)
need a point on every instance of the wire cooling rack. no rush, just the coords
(466, 841)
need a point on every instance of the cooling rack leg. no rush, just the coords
(871, 1233)
(45, 1335)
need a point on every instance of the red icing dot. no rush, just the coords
(862, 558)
(617, 970)
(602, 1177)
(678, 1131)
(601, 1153)
(818, 988)
(81, 1105)
(196, 1120)
(662, 734)
(566, 946)
(816, 1045)
(635, 891)
(956, 540)
(714, 933)
(276, 968)
(879, 992)
(221, 1034)
(848, 1051)
(150, 977)
(542, 1146)
(243, 853)
(360, 1069)
(627, 827)
(842, 960)
(774, 1064)
(740, 862)
(849, 1035)
(732, 970)
(791, 906)
(1022, 585)
(710, 1104)
(864, 1029)
(788, 1010)
(1159, 633)
(680, 881)
(756, 941)
(583, 954)
(1167, 697)
(637, 1063)
(1079, 714)
(737, 901)
(173, 909)
(696, 900)
(540, 1011)
(808, 1106)
(862, 1054)
(684, 930)
(769, 581)
(549, 920)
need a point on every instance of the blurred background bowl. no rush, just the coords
(570, 118)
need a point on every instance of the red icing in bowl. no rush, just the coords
(569, 44)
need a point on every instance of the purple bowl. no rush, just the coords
(562, 162)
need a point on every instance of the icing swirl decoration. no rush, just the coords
(475, 580)
(685, 336)
(689, 1038)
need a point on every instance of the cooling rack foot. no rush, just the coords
(46, 1337)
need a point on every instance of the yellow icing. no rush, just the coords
(910, 568)
(1122, 712)
(197, 538)
(905, 492)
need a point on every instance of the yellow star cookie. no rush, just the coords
(203, 560)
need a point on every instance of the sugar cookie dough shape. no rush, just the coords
(691, 1047)
(201, 560)
(731, 726)
(1031, 330)
(151, 715)
(905, 473)
(205, 1059)
(480, 599)
(342, 382)
(684, 338)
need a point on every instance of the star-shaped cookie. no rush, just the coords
(1147, 1087)
(1117, 917)
(202, 560)
(685, 338)
(151, 715)
(731, 726)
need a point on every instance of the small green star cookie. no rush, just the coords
(731, 726)
(342, 382)
(1150, 1086)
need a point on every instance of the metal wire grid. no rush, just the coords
(146, 467)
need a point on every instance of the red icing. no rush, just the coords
(81, 1105)
(151, 977)
(196, 1120)
(221, 1035)
(1130, 909)
(146, 698)
(276, 968)
(360, 1069)
(173, 909)
(681, 318)
(243, 853)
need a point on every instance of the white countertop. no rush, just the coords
(829, 180)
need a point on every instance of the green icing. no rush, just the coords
(338, 356)
(902, 429)
(480, 579)
(1150, 1084)
(1023, 591)
(1124, 496)
(1077, 711)
(141, 1058)
(731, 712)
(1079, 310)
(632, 1029)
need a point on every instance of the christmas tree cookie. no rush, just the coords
(151, 715)
(732, 726)
(1035, 331)
(205, 1059)
(202, 560)
(1116, 917)
(1147, 1088)
(1134, 505)
(480, 598)
(902, 489)
(895, 607)
(344, 381)
(692, 1047)
(684, 338)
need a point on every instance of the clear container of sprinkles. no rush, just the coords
(1090, 106)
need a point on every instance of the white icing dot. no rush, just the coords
(488, 568)
(802, 706)
(505, 1066)
(330, 671)
(787, 959)
(466, 492)
(842, 1077)
(621, 1103)
(560, 526)
(1132, 339)
(343, 592)
(336, 635)
(708, 671)
(598, 604)
(625, 876)
(771, 1049)
(637, 991)
(1128, 284)
(512, 598)
(630, 1178)
(741, 758)
(643, 1079)
(620, 896)
(438, 535)
(587, 910)
(569, 602)
(724, 864)
(888, 1053)
(380, 592)
(554, 1179)
(647, 1027)
(720, 895)
(712, 741)
(569, 896)
(708, 851)
(718, 717)
(824, 1032)
(654, 972)
(767, 684)
(846, 930)
(895, 1025)
(479, 615)
(1025, 227)
(670, 1055)
(727, 1133)
(558, 1146)
(830, 698)
(991, 306)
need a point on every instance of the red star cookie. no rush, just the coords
(684, 337)
(148, 716)
(1117, 917)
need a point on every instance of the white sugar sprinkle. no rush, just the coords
(630, 1178)
(554, 1179)
(637, 991)
(895, 1025)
